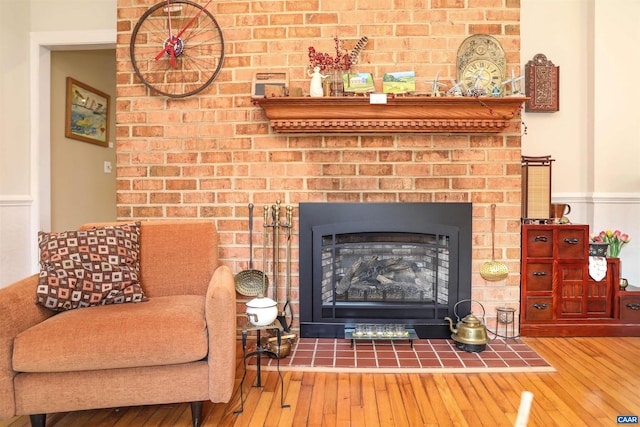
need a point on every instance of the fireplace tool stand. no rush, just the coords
(258, 352)
(275, 223)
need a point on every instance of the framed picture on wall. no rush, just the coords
(87, 113)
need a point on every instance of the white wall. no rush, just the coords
(14, 100)
(595, 137)
(72, 15)
(15, 192)
(561, 34)
(31, 28)
(616, 126)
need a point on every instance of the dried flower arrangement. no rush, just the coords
(341, 62)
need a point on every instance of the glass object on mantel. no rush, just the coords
(337, 84)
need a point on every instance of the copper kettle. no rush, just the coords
(276, 350)
(470, 333)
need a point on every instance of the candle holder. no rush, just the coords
(505, 316)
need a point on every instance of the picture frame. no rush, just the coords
(358, 82)
(87, 113)
(399, 82)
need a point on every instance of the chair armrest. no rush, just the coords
(18, 312)
(220, 312)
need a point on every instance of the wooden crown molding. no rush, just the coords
(410, 114)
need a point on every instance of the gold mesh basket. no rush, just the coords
(493, 270)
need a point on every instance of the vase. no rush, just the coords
(337, 84)
(614, 250)
(623, 283)
(598, 249)
(326, 88)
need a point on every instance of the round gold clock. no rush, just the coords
(481, 65)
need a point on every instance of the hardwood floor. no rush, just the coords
(597, 379)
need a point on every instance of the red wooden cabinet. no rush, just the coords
(630, 306)
(558, 296)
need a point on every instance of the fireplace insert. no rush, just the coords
(384, 263)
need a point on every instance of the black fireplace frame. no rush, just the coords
(317, 219)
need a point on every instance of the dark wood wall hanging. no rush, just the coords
(542, 80)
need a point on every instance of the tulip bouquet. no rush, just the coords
(615, 239)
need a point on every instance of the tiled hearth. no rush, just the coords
(397, 356)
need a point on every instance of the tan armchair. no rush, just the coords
(179, 346)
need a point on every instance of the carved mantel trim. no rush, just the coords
(411, 114)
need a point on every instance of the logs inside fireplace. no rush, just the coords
(385, 263)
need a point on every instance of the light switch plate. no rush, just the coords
(107, 166)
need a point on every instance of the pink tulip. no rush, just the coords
(625, 238)
(597, 239)
(616, 233)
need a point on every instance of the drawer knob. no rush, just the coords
(540, 239)
(633, 306)
(540, 306)
(571, 241)
(539, 273)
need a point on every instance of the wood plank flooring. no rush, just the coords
(597, 379)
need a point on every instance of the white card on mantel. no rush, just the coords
(378, 98)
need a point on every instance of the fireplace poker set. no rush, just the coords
(264, 312)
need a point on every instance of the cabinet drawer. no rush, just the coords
(630, 308)
(573, 243)
(539, 308)
(539, 243)
(539, 277)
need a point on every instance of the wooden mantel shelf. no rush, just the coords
(414, 114)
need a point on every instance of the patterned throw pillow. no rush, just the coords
(91, 267)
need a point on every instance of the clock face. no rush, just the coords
(481, 64)
(481, 74)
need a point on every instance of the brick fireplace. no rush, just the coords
(209, 155)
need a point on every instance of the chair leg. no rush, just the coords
(38, 420)
(196, 414)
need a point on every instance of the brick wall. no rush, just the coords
(211, 154)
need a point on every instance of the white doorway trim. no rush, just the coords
(40, 46)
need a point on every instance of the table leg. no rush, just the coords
(258, 360)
